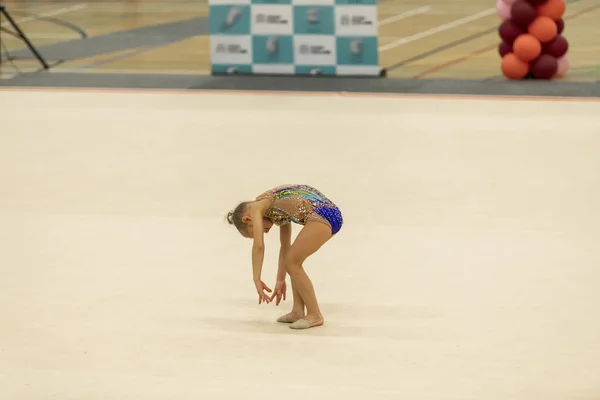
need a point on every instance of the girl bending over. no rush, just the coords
(321, 220)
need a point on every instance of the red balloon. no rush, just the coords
(504, 48)
(557, 47)
(544, 67)
(560, 24)
(509, 31)
(537, 1)
(523, 13)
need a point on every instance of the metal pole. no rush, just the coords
(4, 12)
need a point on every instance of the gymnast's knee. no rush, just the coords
(292, 263)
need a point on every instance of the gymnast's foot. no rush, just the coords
(290, 317)
(307, 322)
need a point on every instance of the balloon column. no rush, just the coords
(533, 46)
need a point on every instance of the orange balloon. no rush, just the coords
(543, 28)
(553, 9)
(527, 47)
(513, 67)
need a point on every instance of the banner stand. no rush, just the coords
(294, 38)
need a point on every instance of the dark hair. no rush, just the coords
(235, 217)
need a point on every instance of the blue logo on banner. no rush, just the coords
(315, 70)
(314, 20)
(231, 69)
(357, 50)
(273, 49)
(229, 20)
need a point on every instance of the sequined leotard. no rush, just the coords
(300, 204)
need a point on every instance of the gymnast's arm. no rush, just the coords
(258, 246)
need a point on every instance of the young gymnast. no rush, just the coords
(321, 220)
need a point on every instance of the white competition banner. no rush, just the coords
(294, 37)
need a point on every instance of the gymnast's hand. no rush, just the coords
(260, 289)
(280, 289)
